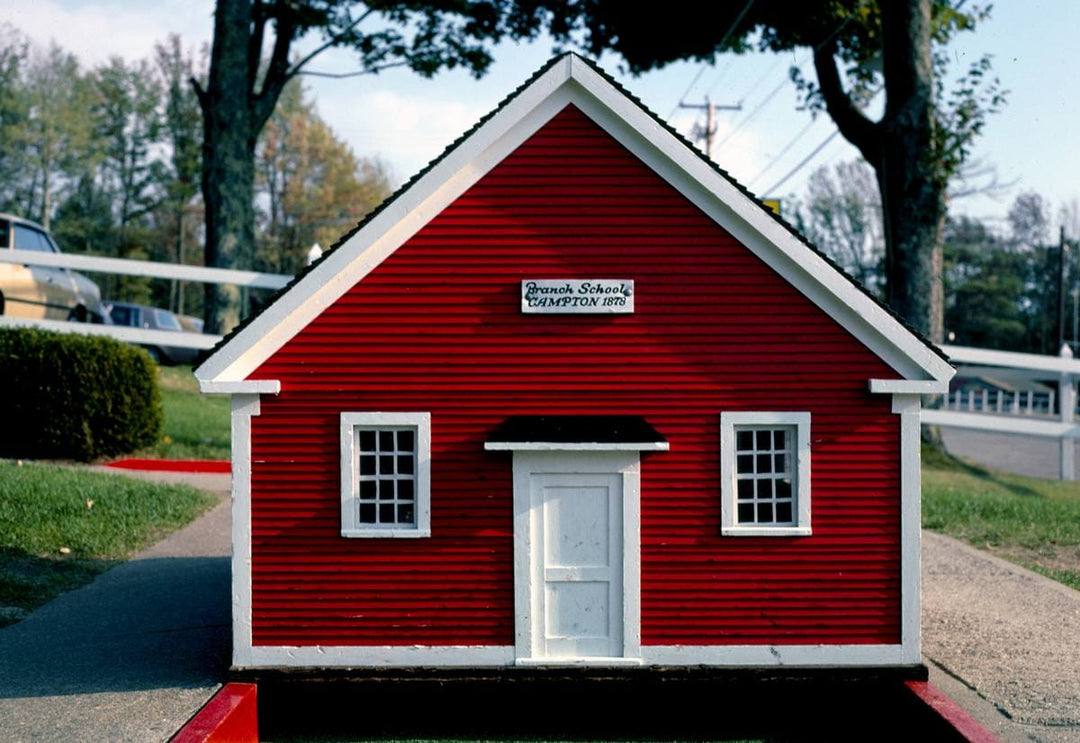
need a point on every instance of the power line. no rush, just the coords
(782, 152)
(772, 94)
(723, 40)
(689, 88)
(804, 161)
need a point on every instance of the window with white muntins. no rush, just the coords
(386, 474)
(765, 474)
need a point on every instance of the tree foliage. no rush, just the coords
(111, 159)
(243, 87)
(312, 185)
(858, 47)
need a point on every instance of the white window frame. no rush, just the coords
(350, 465)
(729, 423)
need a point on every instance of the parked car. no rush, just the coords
(42, 292)
(151, 318)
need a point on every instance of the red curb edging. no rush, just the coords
(950, 712)
(173, 465)
(229, 717)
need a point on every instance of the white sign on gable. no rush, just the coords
(577, 296)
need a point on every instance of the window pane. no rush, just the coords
(763, 440)
(405, 490)
(780, 439)
(765, 488)
(406, 513)
(764, 464)
(783, 512)
(405, 464)
(386, 490)
(367, 513)
(386, 513)
(406, 441)
(764, 513)
(744, 440)
(386, 465)
(367, 441)
(746, 513)
(386, 440)
(367, 465)
(746, 489)
(779, 463)
(783, 488)
(746, 464)
(368, 489)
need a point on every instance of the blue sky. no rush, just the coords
(406, 120)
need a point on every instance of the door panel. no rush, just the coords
(579, 558)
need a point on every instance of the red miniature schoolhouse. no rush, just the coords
(573, 396)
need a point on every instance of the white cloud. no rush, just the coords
(95, 31)
(405, 131)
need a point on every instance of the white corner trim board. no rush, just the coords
(244, 408)
(908, 407)
(572, 81)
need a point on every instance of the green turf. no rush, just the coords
(1033, 522)
(196, 425)
(60, 527)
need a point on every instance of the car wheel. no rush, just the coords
(78, 314)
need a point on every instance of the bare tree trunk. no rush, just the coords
(228, 182)
(903, 152)
(912, 185)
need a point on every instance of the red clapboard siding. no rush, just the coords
(437, 327)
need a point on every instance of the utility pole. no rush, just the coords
(710, 117)
(1063, 249)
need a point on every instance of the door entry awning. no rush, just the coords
(576, 433)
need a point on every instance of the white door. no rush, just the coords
(576, 554)
(580, 555)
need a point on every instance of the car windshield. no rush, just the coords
(166, 320)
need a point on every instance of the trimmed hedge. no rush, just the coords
(75, 397)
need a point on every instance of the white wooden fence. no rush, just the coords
(1025, 412)
(127, 267)
(1030, 412)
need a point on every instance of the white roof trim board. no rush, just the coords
(571, 80)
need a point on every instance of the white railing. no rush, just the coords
(1000, 402)
(152, 269)
(1027, 412)
(128, 267)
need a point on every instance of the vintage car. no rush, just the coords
(151, 318)
(42, 292)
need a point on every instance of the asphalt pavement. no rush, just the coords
(131, 656)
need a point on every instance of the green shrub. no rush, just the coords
(75, 397)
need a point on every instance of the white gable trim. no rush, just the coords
(571, 80)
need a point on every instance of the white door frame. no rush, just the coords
(528, 582)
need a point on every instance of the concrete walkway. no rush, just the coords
(1002, 641)
(131, 656)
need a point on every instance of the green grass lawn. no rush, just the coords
(60, 527)
(196, 425)
(1032, 522)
